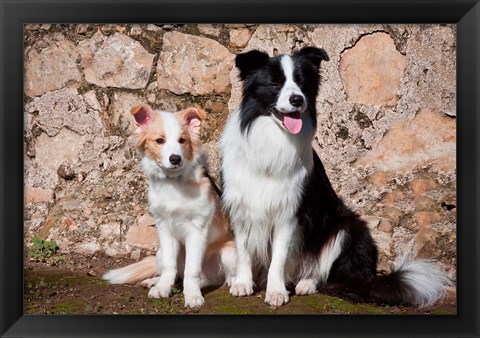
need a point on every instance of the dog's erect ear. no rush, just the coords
(193, 117)
(143, 115)
(250, 61)
(314, 54)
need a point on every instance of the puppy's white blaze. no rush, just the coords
(173, 132)
(426, 280)
(321, 269)
(289, 88)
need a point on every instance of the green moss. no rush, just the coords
(320, 303)
(164, 306)
(232, 309)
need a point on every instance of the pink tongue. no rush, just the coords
(293, 124)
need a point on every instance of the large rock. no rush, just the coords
(115, 61)
(51, 67)
(426, 244)
(371, 70)
(430, 78)
(208, 29)
(194, 65)
(67, 108)
(239, 37)
(429, 139)
(142, 236)
(51, 152)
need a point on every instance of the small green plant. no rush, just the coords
(45, 251)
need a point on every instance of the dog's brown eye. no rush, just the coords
(160, 140)
(182, 140)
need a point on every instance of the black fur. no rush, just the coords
(322, 214)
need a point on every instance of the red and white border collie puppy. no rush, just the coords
(285, 215)
(195, 241)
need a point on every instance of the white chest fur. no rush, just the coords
(179, 204)
(263, 175)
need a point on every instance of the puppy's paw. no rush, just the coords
(194, 301)
(241, 289)
(148, 283)
(160, 292)
(276, 298)
(305, 287)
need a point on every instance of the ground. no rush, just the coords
(74, 286)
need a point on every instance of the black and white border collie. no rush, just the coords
(286, 217)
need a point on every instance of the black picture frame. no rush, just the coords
(15, 13)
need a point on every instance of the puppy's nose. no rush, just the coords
(296, 100)
(175, 159)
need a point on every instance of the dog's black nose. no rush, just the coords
(175, 159)
(296, 100)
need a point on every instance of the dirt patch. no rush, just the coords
(74, 287)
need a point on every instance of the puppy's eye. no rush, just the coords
(275, 85)
(160, 140)
(181, 140)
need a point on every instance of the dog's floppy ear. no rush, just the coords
(314, 54)
(193, 118)
(143, 115)
(250, 61)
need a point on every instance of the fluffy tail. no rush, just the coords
(412, 282)
(133, 273)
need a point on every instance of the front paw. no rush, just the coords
(160, 292)
(194, 301)
(305, 287)
(276, 298)
(241, 289)
(150, 282)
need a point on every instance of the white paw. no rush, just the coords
(160, 291)
(276, 298)
(194, 301)
(305, 287)
(241, 289)
(148, 283)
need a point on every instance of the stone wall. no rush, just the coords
(386, 124)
